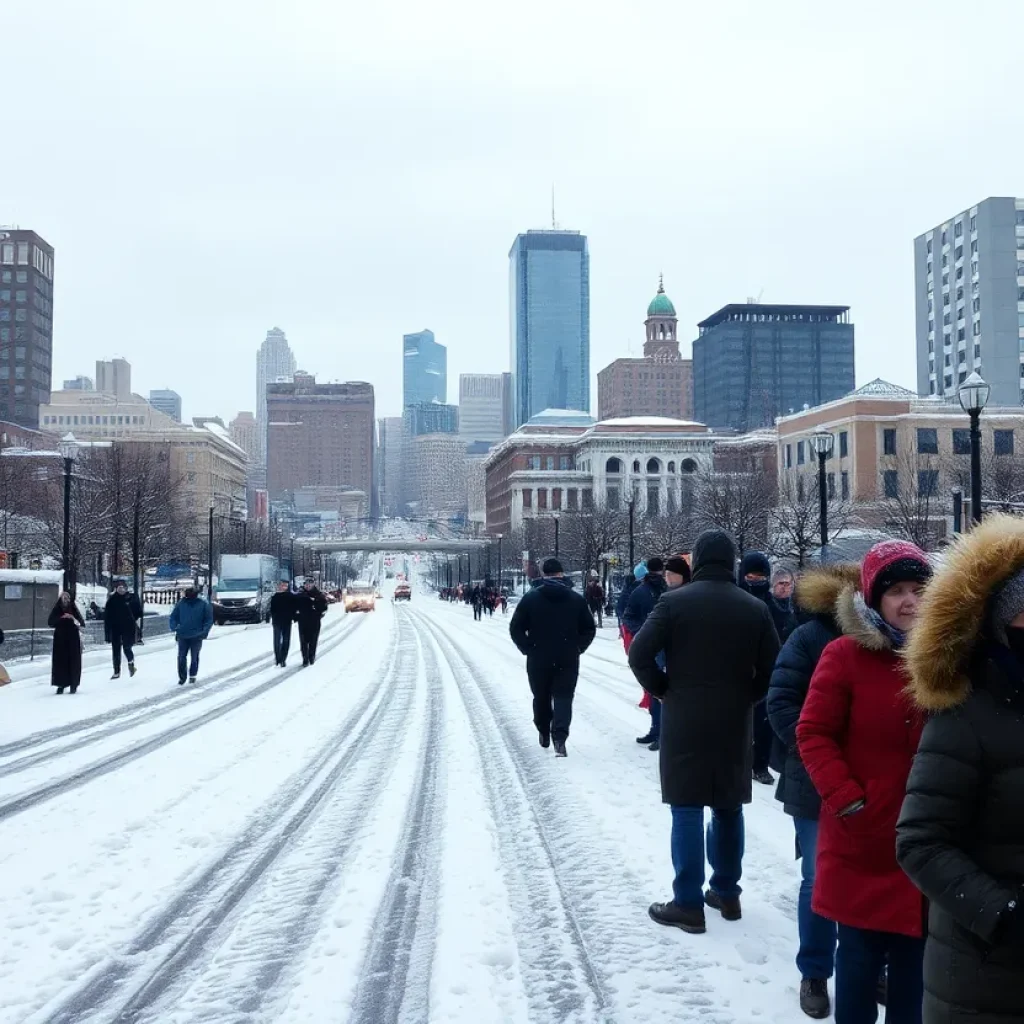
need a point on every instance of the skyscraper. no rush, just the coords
(273, 361)
(425, 369)
(482, 400)
(430, 418)
(26, 325)
(168, 402)
(245, 434)
(755, 362)
(114, 377)
(389, 464)
(549, 308)
(969, 288)
(80, 383)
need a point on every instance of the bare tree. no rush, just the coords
(587, 534)
(739, 502)
(796, 520)
(912, 503)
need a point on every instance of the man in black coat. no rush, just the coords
(552, 626)
(120, 622)
(310, 608)
(720, 647)
(282, 615)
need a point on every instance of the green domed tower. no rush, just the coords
(662, 341)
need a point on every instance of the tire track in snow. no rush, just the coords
(175, 946)
(112, 762)
(145, 709)
(564, 983)
(394, 985)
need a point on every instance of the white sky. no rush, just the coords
(353, 171)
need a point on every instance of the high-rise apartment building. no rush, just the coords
(430, 418)
(660, 384)
(549, 281)
(969, 288)
(320, 435)
(114, 377)
(168, 402)
(753, 362)
(274, 362)
(484, 406)
(436, 474)
(79, 384)
(245, 433)
(389, 464)
(26, 325)
(424, 369)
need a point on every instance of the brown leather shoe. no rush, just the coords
(729, 906)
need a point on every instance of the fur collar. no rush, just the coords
(854, 620)
(818, 590)
(952, 615)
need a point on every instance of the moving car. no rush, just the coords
(403, 592)
(360, 597)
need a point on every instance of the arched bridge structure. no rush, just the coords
(398, 545)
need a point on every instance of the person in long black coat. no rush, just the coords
(817, 593)
(66, 664)
(282, 615)
(720, 647)
(960, 835)
(310, 608)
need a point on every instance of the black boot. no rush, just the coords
(673, 916)
(645, 740)
(560, 750)
(60, 690)
(655, 746)
(765, 777)
(814, 999)
(545, 739)
(728, 905)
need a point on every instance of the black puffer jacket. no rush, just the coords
(816, 594)
(552, 623)
(960, 836)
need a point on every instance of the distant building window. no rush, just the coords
(961, 442)
(527, 498)
(977, 328)
(23, 254)
(844, 444)
(564, 462)
(927, 482)
(1003, 442)
(958, 229)
(889, 441)
(550, 463)
(844, 479)
(891, 483)
(800, 453)
(927, 441)
(974, 223)
(534, 462)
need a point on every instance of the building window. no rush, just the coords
(564, 462)
(527, 498)
(549, 463)
(948, 359)
(927, 482)
(23, 254)
(927, 441)
(948, 381)
(889, 441)
(977, 351)
(844, 484)
(789, 451)
(844, 446)
(977, 328)
(928, 246)
(961, 442)
(958, 252)
(800, 453)
(534, 462)
(974, 223)
(613, 466)
(891, 483)
(1003, 441)
(958, 229)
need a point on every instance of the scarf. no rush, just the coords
(896, 637)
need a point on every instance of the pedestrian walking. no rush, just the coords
(960, 835)
(552, 626)
(504, 603)
(622, 601)
(120, 622)
(310, 608)
(66, 663)
(639, 606)
(857, 735)
(817, 595)
(191, 621)
(595, 599)
(720, 647)
(283, 613)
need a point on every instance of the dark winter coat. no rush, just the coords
(642, 601)
(552, 623)
(784, 618)
(623, 597)
(960, 835)
(755, 562)
(191, 619)
(283, 608)
(66, 664)
(857, 735)
(120, 616)
(720, 646)
(816, 595)
(310, 607)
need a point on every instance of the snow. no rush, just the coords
(378, 838)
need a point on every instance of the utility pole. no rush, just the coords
(209, 553)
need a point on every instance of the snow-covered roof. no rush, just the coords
(560, 417)
(879, 388)
(31, 576)
(649, 421)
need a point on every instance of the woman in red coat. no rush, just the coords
(857, 735)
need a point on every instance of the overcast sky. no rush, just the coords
(354, 171)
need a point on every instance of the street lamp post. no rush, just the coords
(68, 448)
(973, 395)
(822, 444)
(555, 516)
(291, 561)
(632, 527)
(499, 565)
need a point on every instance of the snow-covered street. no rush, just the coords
(378, 838)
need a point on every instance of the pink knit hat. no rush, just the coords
(889, 563)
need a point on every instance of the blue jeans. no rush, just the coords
(188, 651)
(655, 719)
(859, 961)
(817, 954)
(725, 837)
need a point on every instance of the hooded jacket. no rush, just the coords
(642, 601)
(191, 619)
(720, 646)
(817, 592)
(857, 735)
(960, 835)
(552, 623)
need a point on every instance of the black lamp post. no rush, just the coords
(499, 565)
(68, 448)
(632, 528)
(822, 444)
(556, 517)
(973, 395)
(291, 560)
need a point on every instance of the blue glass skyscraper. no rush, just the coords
(425, 369)
(549, 309)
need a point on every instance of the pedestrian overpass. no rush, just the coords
(397, 545)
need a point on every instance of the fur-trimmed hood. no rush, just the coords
(854, 620)
(818, 590)
(952, 613)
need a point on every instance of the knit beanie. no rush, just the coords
(1006, 606)
(640, 571)
(889, 563)
(677, 564)
(655, 564)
